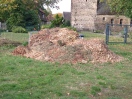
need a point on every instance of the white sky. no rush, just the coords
(65, 5)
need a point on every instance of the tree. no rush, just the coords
(57, 22)
(59, 14)
(22, 12)
(49, 10)
(121, 7)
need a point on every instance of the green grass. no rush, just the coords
(90, 35)
(21, 37)
(24, 78)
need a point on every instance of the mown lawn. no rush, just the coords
(23, 78)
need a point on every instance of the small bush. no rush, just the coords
(19, 29)
(2, 30)
(66, 23)
(29, 28)
(57, 22)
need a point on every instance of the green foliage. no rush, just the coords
(18, 29)
(31, 19)
(29, 28)
(121, 7)
(25, 43)
(95, 90)
(2, 30)
(22, 12)
(66, 23)
(114, 98)
(130, 35)
(15, 19)
(57, 22)
(46, 26)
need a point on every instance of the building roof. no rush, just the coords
(67, 16)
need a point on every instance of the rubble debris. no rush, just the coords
(64, 46)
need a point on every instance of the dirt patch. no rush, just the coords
(64, 46)
(4, 42)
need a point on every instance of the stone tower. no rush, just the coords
(94, 15)
(83, 14)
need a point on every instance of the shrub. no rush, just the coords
(29, 28)
(15, 19)
(32, 28)
(57, 22)
(66, 23)
(2, 30)
(18, 29)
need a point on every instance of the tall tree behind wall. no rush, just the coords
(121, 7)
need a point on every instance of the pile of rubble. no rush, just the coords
(64, 46)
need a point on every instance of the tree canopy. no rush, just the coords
(121, 7)
(23, 12)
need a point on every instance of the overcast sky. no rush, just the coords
(65, 5)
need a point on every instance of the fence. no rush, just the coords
(19, 37)
(3, 26)
(123, 34)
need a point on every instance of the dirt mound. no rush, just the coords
(63, 45)
(8, 42)
(99, 50)
(21, 50)
(55, 35)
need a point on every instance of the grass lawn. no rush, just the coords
(23, 78)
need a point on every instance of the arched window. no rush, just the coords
(121, 22)
(112, 22)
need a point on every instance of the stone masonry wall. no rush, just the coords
(83, 13)
(84, 16)
(102, 20)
